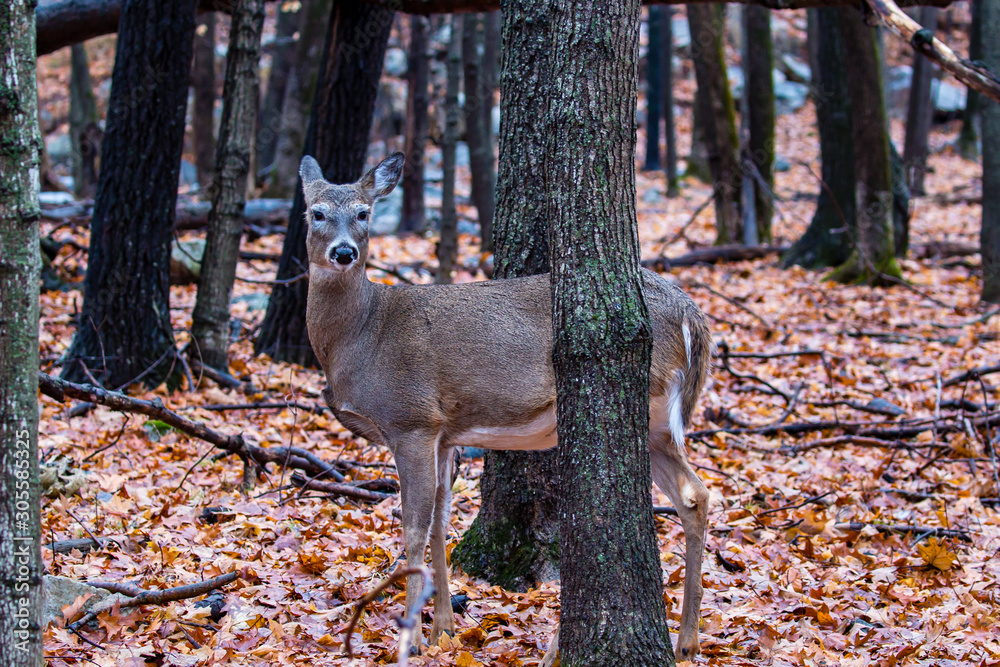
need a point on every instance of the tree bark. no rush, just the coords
(203, 113)
(514, 541)
(124, 331)
(602, 344)
(968, 137)
(478, 93)
(413, 217)
(826, 242)
(300, 90)
(989, 235)
(654, 94)
(282, 62)
(84, 131)
(20, 525)
(210, 327)
(447, 249)
(667, 56)
(760, 104)
(920, 111)
(697, 161)
(707, 26)
(872, 257)
(341, 119)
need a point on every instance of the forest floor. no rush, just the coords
(809, 561)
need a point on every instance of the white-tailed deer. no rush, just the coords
(421, 369)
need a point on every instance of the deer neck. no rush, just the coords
(338, 310)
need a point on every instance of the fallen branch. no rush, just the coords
(223, 407)
(124, 601)
(902, 529)
(923, 41)
(713, 255)
(251, 455)
(339, 489)
(971, 374)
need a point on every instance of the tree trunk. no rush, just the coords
(602, 344)
(827, 241)
(124, 331)
(447, 250)
(669, 125)
(920, 111)
(760, 103)
(968, 137)
(299, 93)
(872, 257)
(84, 131)
(210, 328)
(477, 131)
(654, 94)
(282, 61)
(697, 162)
(203, 113)
(20, 524)
(900, 201)
(413, 217)
(989, 235)
(491, 69)
(514, 541)
(707, 26)
(338, 138)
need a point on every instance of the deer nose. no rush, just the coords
(344, 254)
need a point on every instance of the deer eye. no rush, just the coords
(362, 215)
(318, 216)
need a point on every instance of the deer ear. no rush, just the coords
(381, 180)
(310, 171)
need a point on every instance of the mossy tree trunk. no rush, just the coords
(124, 332)
(989, 236)
(872, 258)
(760, 106)
(827, 241)
(20, 525)
(203, 111)
(612, 610)
(447, 249)
(707, 24)
(478, 93)
(339, 126)
(514, 540)
(920, 110)
(413, 215)
(210, 328)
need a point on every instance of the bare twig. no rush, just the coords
(694, 216)
(807, 501)
(406, 624)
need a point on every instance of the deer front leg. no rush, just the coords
(675, 477)
(444, 617)
(417, 488)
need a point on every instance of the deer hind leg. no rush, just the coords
(417, 486)
(444, 617)
(675, 477)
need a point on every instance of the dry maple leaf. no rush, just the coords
(936, 554)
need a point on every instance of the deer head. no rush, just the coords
(337, 216)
